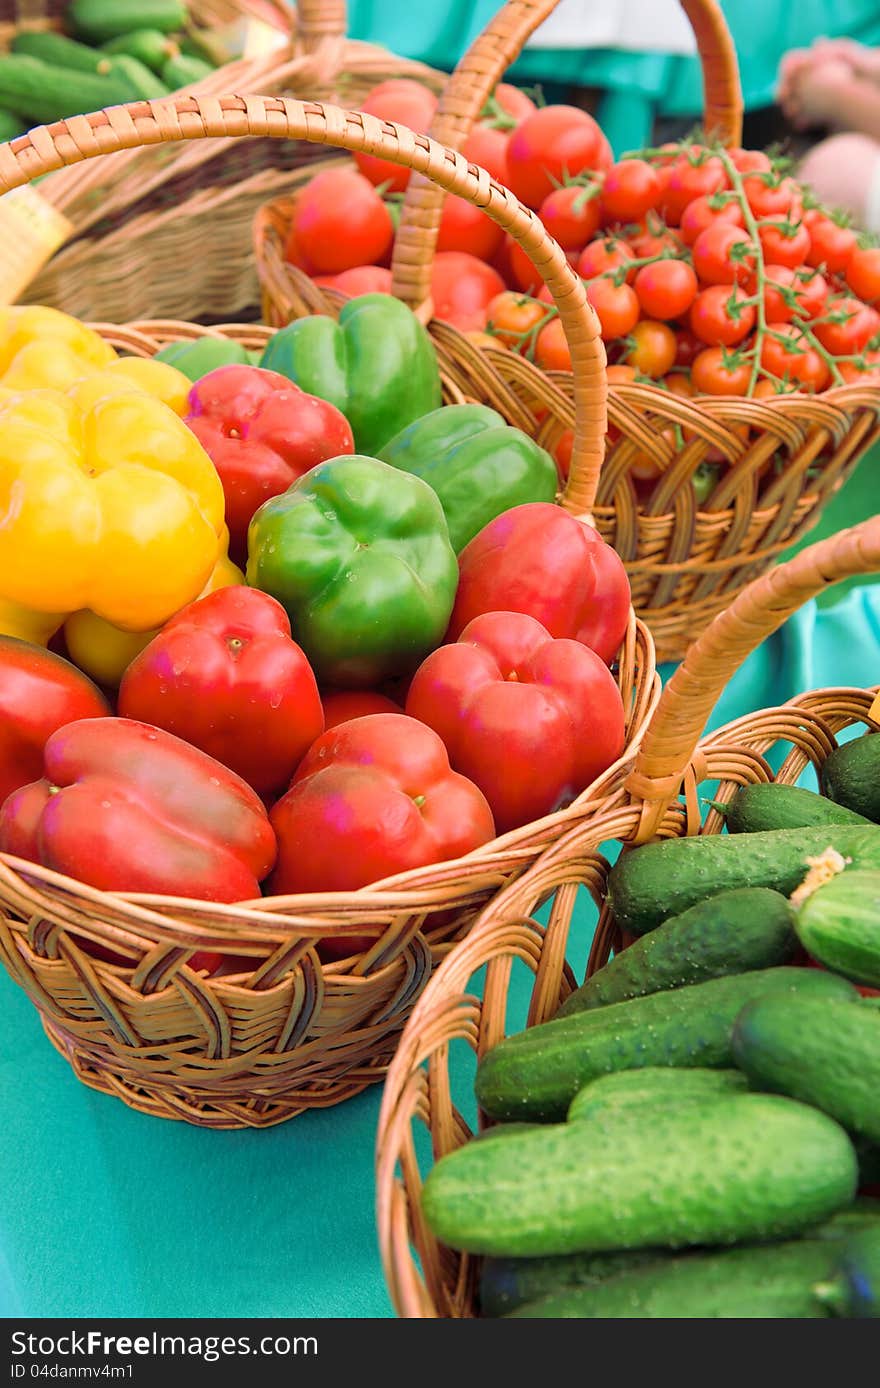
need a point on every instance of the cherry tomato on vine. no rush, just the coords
(771, 196)
(785, 352)
(784, 243)
(650, 348)
(399, 99)
(511, 316)
(616, 305)
(852, 335)
(687, 347)
(513, 101)
(621, 374)
(702, 213)
(715, 372)
(571, 215)
(777, 308)
(812, 292)
(602, 256)
(679, 384)
(750, 160)
(724, 254)
(464, 227)
(630, 190)
(488, 148)
(462, 288)
(551, 144)
(831, 245)
(551, 348)
(689, 179)
(863, 273)
(646, 243)
(721, 316)
(863, 372)
(340, 221)
(666, 289)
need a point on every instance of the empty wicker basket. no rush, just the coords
(660, 798)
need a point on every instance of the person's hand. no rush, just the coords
(799, 67)
(813, 97)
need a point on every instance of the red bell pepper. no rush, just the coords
(39, 692)
(531, 720)
(261, 432)
(541, 560)
(126, 807)
(225, 675)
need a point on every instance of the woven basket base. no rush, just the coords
(101, 1070)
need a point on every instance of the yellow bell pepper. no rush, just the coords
(112, 506)
(36, 627)
(121, 377)
(42, 347)
(104, 652)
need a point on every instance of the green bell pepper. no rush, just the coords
(358, 554)
(376, 364)
(478, 465)
(195, 359)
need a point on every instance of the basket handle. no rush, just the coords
(199, 117)
(474, 80)
(319, 20)
(696, 685)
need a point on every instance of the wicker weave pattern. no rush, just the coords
(660, 798)
(287, 1032)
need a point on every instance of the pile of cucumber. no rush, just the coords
(696, 1132)
(114, 51)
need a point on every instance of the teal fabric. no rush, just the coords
(104, 1212)
(637, 86)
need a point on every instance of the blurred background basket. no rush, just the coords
(430, 1082)
(686, 558)
(168, 231)
(290, 1033)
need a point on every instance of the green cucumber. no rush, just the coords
(731, 933)
(536, 1074)
(195, 359)
(506, 1283)
(775, 1281)
(504, 1130)
(819, 1050)
(839, 925)
(141, 80)
(38, 92)
(150, 46)
(854, 1289)
(100, 20)
(851, 776)
(739, 1167)
(756, 808)
(60, 51)
(182, 71)
(10, 125)
(640, 1089)
(647, 885)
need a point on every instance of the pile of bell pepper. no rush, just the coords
(283, 624)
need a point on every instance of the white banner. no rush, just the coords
(656, 25)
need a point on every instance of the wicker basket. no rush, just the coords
(290, 1033)
(425, 1278)
(686, 560)
(169, 230)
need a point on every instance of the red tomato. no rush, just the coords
(602, 256)
(341, 705)
(777, 305)
(631, 188)
(831, 245)
(785, 243)
(863, 273)
(462, 288)
(721, 316)
(399, 99)
(687, 347)
(512, 316)
(531, 720)
(616, 305)
(294, 253)
(691, 178)
(488, 148)
(522, 270)
(769, 196)
(861, 373)
(680, 384)
(714, 373)
(340, 221)
(360, 279)
(541, 560)
(666, 289)
(812, 292)
(849, 337)
(39, 692)
(373, 797)
(646, 243)
(562, 453)
(652, 349)
(464, 227)
(786, 353)
(552, 351)
(552, 143)
(724, 254)
(225, 676)
(701, 214)
(571, 215)
(750, 160)
(514, 101)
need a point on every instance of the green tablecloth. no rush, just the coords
(637, 85)
(104, 1212)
